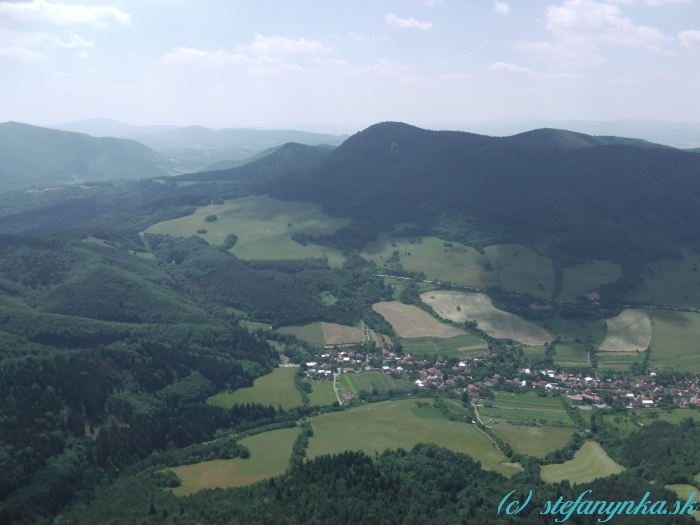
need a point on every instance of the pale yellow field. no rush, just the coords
(589, 463)
(583, 278)
(338, 334)
(478, 307)
(410, 321)
(262, 226)
(629, 331)
(514, 267)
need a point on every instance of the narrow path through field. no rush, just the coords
(476, 411)
(335, 389)
(368, 336)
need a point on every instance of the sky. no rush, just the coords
(285, 63)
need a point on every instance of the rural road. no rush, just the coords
(476, 411)
(335, 389)
(368, 337)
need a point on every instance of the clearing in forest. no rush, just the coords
(269, 457)
(629, 331)
(410, 321)
(577, 280)
(465, 306)
(273, 389)
(589, 463)
(264, 227)
(392, 424)
(534, 441)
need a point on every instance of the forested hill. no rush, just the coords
(599, 197)
(36, 157)
(286, 159)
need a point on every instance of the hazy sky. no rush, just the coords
(284, 62)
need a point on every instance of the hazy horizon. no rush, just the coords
(282, 65)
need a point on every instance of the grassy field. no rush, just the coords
(400, 284)
(525, 406)
(571, 329)
(338, 334)
(459, 346)
(674, 340)
(671, 283)
(589, 463)
(393, 424)
(351, 384)
(323, 393)
(535, 441)
(410, 321)
(684, 492)
(254, 326)
(465, 306)
(629, 331)
(628, 425)
(571, 354)
(617, 360)
(269, 456)
(273, 389)
(514, 267)
(262, 226)
(583, 278)
(311, 333)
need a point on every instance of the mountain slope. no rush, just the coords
(104, 127)
(35, 157)
(285, 159)
(599, 197)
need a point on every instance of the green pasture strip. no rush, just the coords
(269, 456)
(684, 492)
(590, 462)
(276, 389)
(674, 340)
(311, 333)
(323, 393)
(671, 282)
(534, 441)
(400, 424)
(369, 381)
(571, 354)
(449, 347)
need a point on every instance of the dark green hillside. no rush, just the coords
(595, 197)
(285, 159)
(35, 157)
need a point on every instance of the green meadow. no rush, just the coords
(583, 278)
(311, 333)
(526, 406)
(323, 393)
(590, 462)
(512, 266)
(571, 355)
(264, 227)
(276, 389)
(684, 492)
(534, 441)
(369, 381)
(459, 346)
(269, 456)
(671, 282)
(400, 424)
(674, 340)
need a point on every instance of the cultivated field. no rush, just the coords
(571, 354)
(311, 333)
(583, 278)
(671, 282)
(262, 226)
(323, 393)
(534, 441)
(525, 406)
(514, 267)
(465, 306)
(393, 424)
(273, 389)
(460, 346)
(410, 321)
(618, 360)
(589, 463)
(338, 334)
(675, 340)
(351, 384)
(629, 331)
(269, 456)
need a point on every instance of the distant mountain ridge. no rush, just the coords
(104, 127)
(595, 197)
(35, 157)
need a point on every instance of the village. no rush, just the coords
(585, 392)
